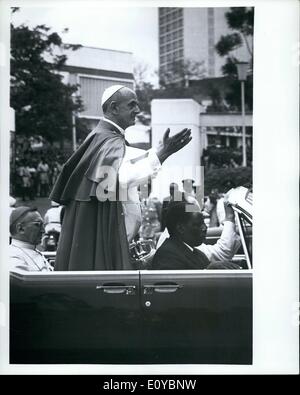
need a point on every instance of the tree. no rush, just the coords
(140, 73)
(241, 21)
(218, 104)
(144, 91)
(179, 72)
(42, 102)
(224, 179)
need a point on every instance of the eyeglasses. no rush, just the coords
(38, 223)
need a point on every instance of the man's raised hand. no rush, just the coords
(172, 144)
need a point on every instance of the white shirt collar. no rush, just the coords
(114, 124)
(192, 249)
(22, 244)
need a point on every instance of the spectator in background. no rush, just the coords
(151, 213)
(52, 220)
(214, 207)
(43, 171)
(33, 181)
(56, 169)
(26, 230)
(25, 176)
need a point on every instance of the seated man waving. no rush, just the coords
(184, 249)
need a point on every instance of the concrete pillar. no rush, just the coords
(177, 114)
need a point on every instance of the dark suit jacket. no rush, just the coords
(173, 254)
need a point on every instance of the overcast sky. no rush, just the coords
(130, 29)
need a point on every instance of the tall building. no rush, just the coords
(191, 34)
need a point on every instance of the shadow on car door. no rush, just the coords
(197, 316)
(74, 317)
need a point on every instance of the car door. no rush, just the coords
(74, 317)
(197, 316)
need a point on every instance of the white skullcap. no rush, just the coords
(109, 92)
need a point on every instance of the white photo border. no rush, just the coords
(276, 195)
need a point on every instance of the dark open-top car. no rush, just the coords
(139, 316)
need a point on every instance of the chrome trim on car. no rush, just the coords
(238, 221)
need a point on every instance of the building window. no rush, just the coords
(177, 55)
(162, 48)
(163, 59)
(162, 11)
(169, 10)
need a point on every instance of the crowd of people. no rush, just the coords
(35, 171)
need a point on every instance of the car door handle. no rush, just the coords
(117, 289)
(161, 288)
